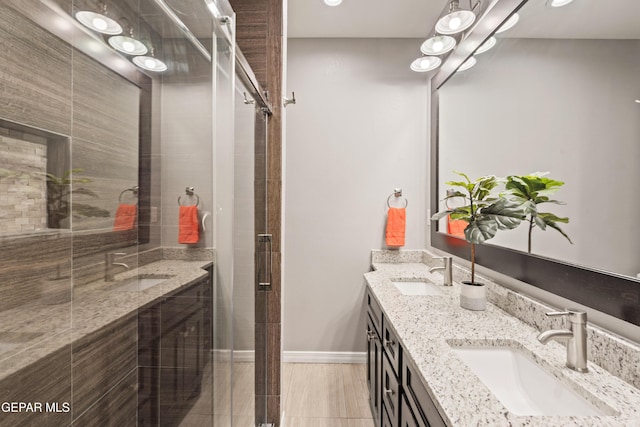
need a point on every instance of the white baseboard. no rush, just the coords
(324, 357)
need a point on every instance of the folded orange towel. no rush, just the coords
(125, 217)
(396, 219)
(456, 227)
(188, 225)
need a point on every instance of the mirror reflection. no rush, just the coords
(558, 93)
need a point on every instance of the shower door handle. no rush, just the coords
(264, 257)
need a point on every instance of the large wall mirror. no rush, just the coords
(558, 93)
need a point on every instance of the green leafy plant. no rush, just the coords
(58, 201)
(530, 191)
(484, 212)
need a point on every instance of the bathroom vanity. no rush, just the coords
(417, 374)
(138, 344)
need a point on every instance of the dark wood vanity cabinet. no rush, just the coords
(397, 397)
(173, 343)
(374, 358)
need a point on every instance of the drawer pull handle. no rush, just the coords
(371, 336)
(389, 392)
(389, 343)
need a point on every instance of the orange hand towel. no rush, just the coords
(188, 225)
(125, 217)
(396, 220)
(456, 227)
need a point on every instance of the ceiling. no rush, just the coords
(363, 18)
(597, 19)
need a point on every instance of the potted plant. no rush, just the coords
(484, 214)
(530, 191)
(58, 201)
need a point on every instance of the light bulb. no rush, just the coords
(99, 23)
(128, 46)
(454, 23)
(332, 2)
(425, 63)
(437, 46)
(150, 63)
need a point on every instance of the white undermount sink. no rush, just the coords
(140, 283)
(523, 386)
(418, 287)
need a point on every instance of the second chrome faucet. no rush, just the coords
(575, 337)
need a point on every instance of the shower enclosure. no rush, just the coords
(132, 215)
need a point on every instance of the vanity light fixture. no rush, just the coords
(150, 63)
(468, 64)
(558, 3)
(456, 20)
(425, 63)
(438, 45)
(128, 45)
(513, 20)
(99, 22)
(332, 2)
(491, 42)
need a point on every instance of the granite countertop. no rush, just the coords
(93, 307)
(428, 327)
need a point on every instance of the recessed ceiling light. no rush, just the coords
(332, 2)
(438, 45)
(425, 63)
(558, 3)
(468, 64)
(513, 20)
(491, 42)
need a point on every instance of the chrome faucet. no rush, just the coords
(448, 270)
(109, 264)
(575, 336)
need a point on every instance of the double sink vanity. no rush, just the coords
(433, 363)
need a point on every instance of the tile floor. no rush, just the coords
(313, 395)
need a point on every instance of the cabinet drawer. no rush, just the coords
(390, 391)
(417, 397)
(391, 346)
(374, 311)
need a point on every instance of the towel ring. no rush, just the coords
(133, 189)
(397, 192)
(189, 191)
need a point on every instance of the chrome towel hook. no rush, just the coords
(190, 191)
(397, 192)
(286, 101)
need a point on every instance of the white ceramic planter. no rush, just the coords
(473, 296)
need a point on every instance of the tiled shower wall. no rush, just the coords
(23, 189)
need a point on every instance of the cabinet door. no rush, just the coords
(170, 393)
(374, 365)
(386, 420)
(407, 418)
(418, 398)
(192, 355)
(390, 391)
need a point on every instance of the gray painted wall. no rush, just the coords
(358, 130)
